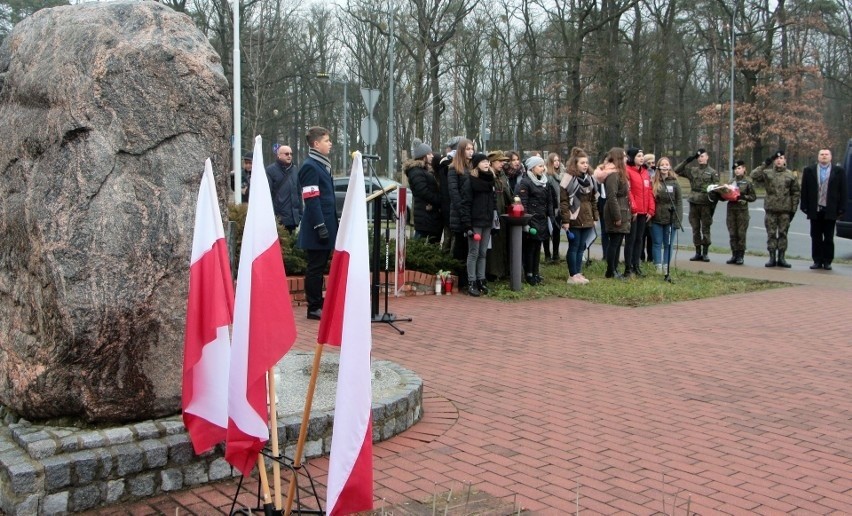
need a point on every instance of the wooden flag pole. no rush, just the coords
(303, 430)
(273, 423)
(264, 484)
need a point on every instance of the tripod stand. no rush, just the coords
(381, 198)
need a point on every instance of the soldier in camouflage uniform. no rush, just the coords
(782, 200)
(701, 204)
(738, 216)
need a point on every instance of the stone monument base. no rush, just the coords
(53, 469)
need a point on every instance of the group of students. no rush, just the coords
(459, 197)
(465, 192)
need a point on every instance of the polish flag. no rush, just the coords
(264, 327)
(346, 323)
(209, 312)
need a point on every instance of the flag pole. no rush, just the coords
(264, 483)
(273, 423)
(303, 430)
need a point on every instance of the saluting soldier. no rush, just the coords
(780, 205)
(701, 204)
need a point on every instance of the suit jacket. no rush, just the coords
(286, 194)
(318, 195)
(835, 204)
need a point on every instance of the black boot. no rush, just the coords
(472, 289)
(739, 257)
(637, 270)
(705, 250)
(697, 257)
(771, 262)
(781, 261)
(733, 259)
(483, 286)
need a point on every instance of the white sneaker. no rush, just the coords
(577, 279)
(585, 279)
(659, 267)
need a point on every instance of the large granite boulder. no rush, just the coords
(108, 112)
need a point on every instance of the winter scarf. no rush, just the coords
(576, 185)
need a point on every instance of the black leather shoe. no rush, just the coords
(315, 314)
(827, 266)
(816, 266)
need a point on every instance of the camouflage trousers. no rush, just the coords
(700, 218)
(777, 224)
(737, 227)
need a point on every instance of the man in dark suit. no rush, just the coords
(823, 201)
(318, 230)
(284, 186)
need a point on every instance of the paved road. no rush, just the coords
(799, 240)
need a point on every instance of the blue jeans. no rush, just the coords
(476, 252)
(662, 234)
(576, 249)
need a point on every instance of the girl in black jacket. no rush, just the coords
(537, 201)
(428, 222)
(479, 197)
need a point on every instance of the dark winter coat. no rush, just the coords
(426, 191)
(835, 202)
(537, 201)
(319, 209)
(459, 208)
(479, 195)
(617, 207)
(441, 165)
(286, 194)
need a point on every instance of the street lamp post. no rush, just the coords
(731, 121)
(345, 83)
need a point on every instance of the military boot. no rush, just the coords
(771, 262)
(740, 256)
(705, 250)
(733, 259)
(697, 257)
(781, 261)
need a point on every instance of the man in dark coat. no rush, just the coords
(284, 186)
(318, 230)
(824, 192)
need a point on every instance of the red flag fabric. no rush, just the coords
(209, 312)
(346, 323)
(264, 327)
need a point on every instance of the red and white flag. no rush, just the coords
(346, 323)
(209, 312)
(264, 327)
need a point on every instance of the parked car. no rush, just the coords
(372, 184)
(844, 225)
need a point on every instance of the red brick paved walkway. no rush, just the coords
(743, 403)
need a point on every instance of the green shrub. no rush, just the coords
(295, 260)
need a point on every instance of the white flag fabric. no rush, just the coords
(264, 327)
(209, 313)
(346, 322)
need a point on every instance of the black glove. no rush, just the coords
(322, 233)
(768, 161)
(691, 158)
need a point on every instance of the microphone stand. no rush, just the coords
(386, 317)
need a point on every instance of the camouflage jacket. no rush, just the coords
(747, 195)
(782, 188)
(700, 178)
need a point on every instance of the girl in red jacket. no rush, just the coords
(641, 209)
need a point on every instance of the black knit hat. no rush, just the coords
(631, 155)
(477, 158)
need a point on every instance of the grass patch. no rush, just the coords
(650, 290)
